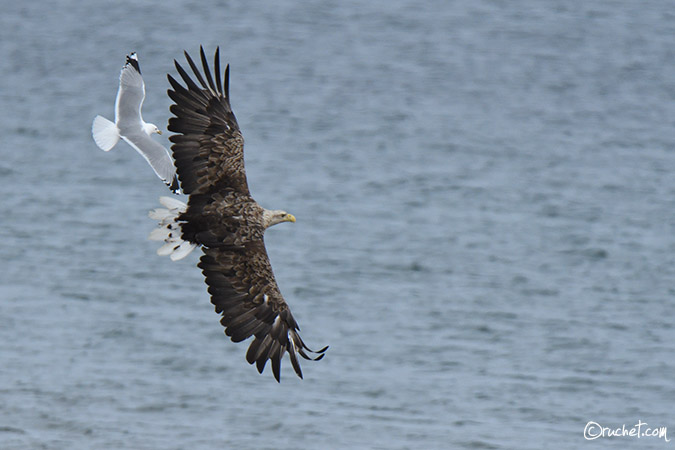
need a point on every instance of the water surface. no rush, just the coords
(485, 236)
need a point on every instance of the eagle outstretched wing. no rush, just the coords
(209, 148)
(244, 292)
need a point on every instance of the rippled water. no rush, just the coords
(485, 236)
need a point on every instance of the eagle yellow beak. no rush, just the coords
(290, 218)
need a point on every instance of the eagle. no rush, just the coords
(224, 220)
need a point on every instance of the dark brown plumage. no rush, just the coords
(223, 218)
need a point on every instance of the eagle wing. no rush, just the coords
(209, 148)
(226, 221)
(244, 291)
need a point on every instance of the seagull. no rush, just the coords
(129, 125)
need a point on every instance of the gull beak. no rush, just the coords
(159, 131)
(290, 218)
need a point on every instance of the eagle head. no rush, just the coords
(275, 216)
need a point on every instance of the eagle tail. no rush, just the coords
(105, 133)
(169, 229)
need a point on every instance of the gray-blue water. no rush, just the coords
(485, 194)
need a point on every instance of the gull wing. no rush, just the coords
(130, 96)
(156, 155)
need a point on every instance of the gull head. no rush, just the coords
(151, 128)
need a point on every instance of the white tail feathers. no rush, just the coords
(105, 133)
(169, 229)
(173, 203)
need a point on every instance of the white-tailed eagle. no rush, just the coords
(224, 220)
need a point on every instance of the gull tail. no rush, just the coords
(169, 229)
(105, 133)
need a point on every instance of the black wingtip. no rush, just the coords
(216, 66)
(207, 72)
(276, 370)
(174, 186)
(132, 59)
(227, 81)
(260, 364)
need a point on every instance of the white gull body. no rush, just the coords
(129, 125)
